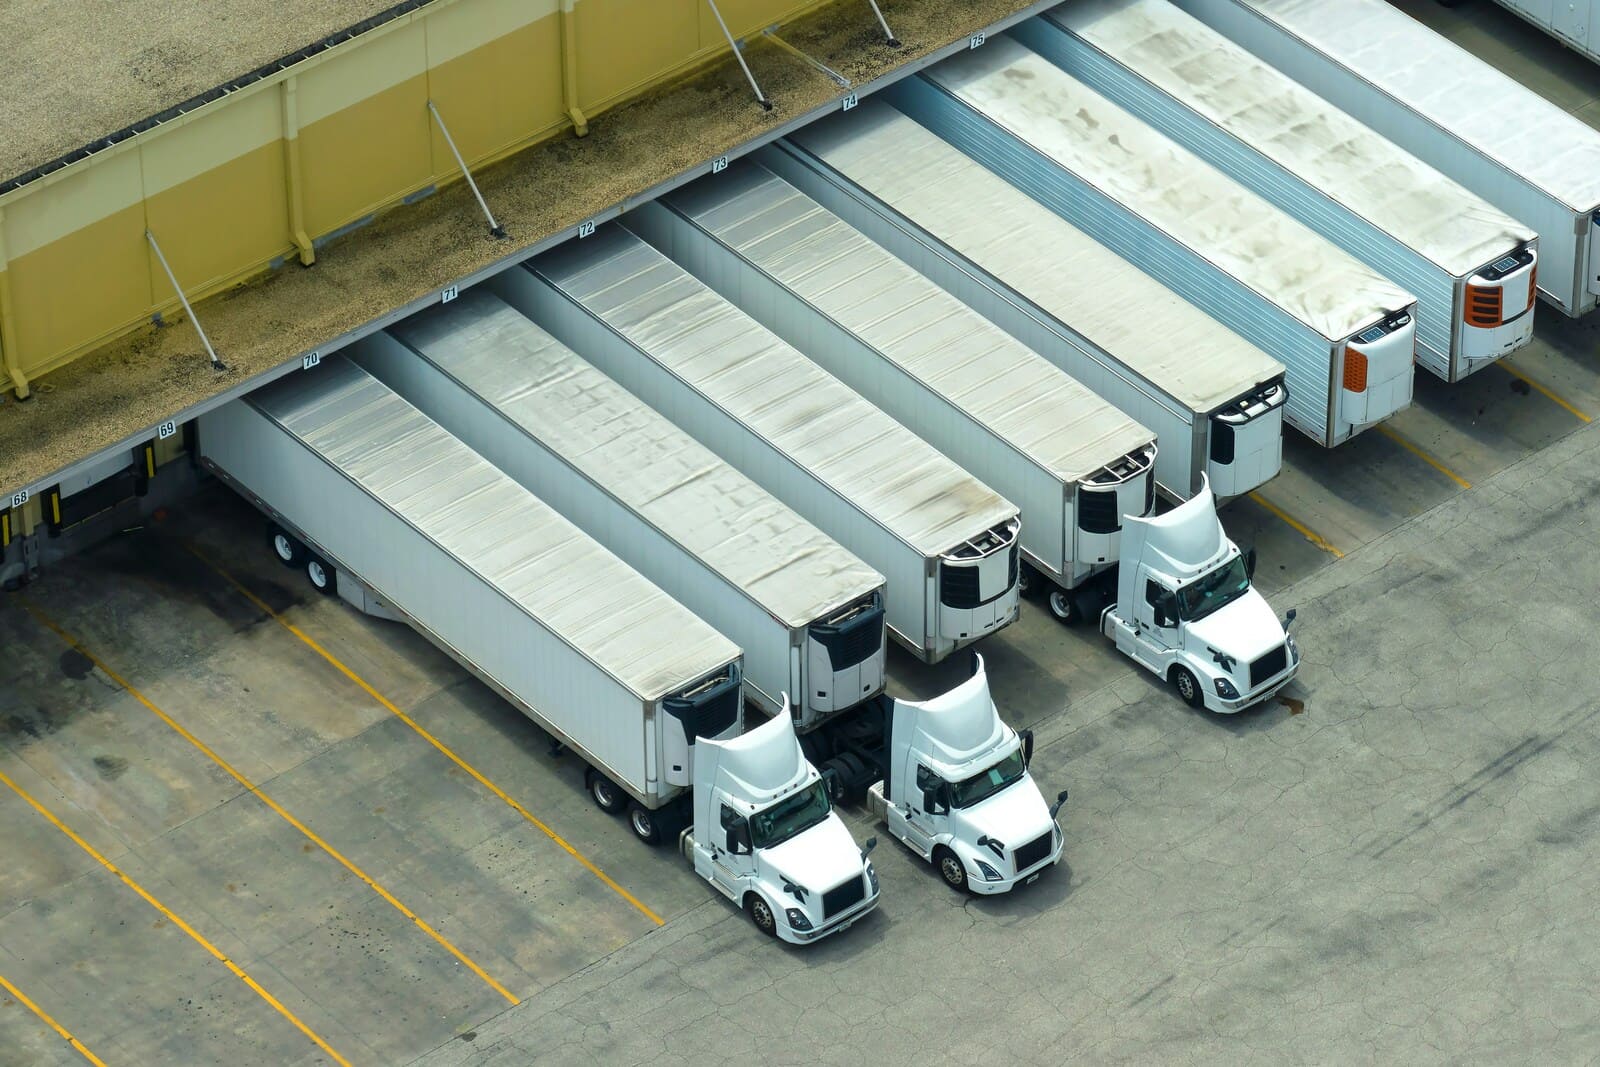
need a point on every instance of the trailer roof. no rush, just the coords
(1295, 128)
(793, 570)
(1170, 187)
(1457, 91)
(1040, 256)
(552, 570)
(1023, 399)
(866, 457)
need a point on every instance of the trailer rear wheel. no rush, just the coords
(607, 796)
(951, 869)
(323, 578)
(1062, 607)
(760, 912)
(1188, 687)
(289, 551)
(644, 824)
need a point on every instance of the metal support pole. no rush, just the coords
(888, 35)
(294, 191)
(838, 79)
(216, 364)
(494, 227)
(569, 69)
(766, 105)
(10, 355)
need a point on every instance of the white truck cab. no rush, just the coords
(958, 792)
(766, 836)
(1186, 610)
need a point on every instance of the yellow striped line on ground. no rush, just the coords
(44, 1016)
(1297, 526)
(1424, 456)
(1542, 390)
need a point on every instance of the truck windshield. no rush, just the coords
(985, 784)
(789, 816)
(1205, 595)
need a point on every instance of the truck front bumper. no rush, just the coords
(843, 921)
(1266, 692)
(1023, 877)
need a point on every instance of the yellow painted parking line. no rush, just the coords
(1297, 526)
(276, 808)
(1548, 394)
(477, 776)
(171, 917)
(1420, 454)
(44, 1016)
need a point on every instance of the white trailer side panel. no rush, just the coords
(1498, 138)
(575, 637)
(858, 475)
(1575, 23)
(1162, 361)
(1381, 204)
(923, 357)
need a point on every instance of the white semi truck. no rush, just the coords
(1213, 400)
(946, 543)
(807, 614)
(380, 505)
(1071, 461)
(1346, 334)
(1500, 139)
(1471, 266)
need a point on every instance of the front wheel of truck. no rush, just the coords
(760, 912)
(1188, 687)
(950, 868)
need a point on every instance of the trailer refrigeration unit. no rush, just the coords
(1471, 266)
(405, 522)
(1346, 334)
(1508, 144)
(945, 542)
(1071, 461)
(807, 614)
(1213, 400)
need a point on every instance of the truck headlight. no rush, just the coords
(1225, 690)
(988, 872)
(872, 877)
(797, 919)
(1294, 646)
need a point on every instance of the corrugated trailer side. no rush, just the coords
(862, 478)
(560, 627)
(687, 521)
(1071, 461)
(1470, 265)
(1214, 401)
(1497, 137)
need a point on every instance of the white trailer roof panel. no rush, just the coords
(1298, 130)
(1039, 255)
(781, 561)
(1024, 400)
(556, 573)
(1523, 131)
(1170, 187)
(825, 427)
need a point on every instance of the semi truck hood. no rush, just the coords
(818, 859)
(1014, 816)
(1244, 629)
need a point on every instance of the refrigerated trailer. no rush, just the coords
(807, 614)
(1575, 23)
(1471, 266)
(1073, 463)
(1346, 335)
(1213, 400)
(945, 542)
(381, 505)
(1503, 141)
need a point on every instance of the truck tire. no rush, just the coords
(607, 796)
(760, 912)
(642, 821)
(1062, 606)
(289, 551)
(323, 578)
(950, 868)
(1188, 687)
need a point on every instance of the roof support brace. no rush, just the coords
(216, 364)
(494, 227)
(766, 105)
(888, 35)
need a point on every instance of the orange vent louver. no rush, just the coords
(1355, 370)
(1533, 285)
(1485, 305)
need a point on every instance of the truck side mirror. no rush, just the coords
(1250, 563)
(1027, 746)
(866, 849)
(739, 839)
(941, 798)
(1061, 802)
(1163, 619)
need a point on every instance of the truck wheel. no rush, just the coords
(643, 823)
(610, 799)
(289, 551)
(323, 578)
(950, 868)
(1062, 607)
(760, 912)
(1188, 687)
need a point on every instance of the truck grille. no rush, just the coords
(844, 896)
(1269, 665)
(1034, 851)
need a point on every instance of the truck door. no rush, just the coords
(732, 860)
(919, 822)
(1157, 618)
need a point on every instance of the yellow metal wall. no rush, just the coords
(328, 142)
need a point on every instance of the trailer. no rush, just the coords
(383, 507)
(1071, 461)
(1213, 400)
(1346, 335)
(807, 614)
(1575, 23)
(1501, 140)
(945, 542)
(1471, 266)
